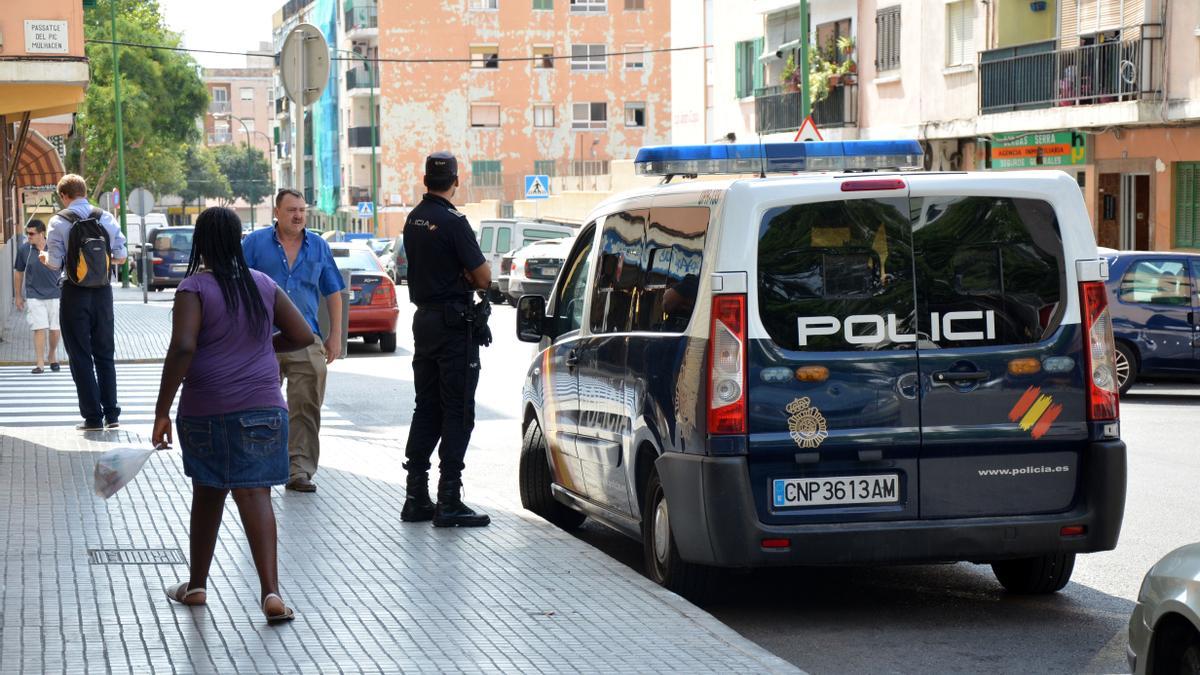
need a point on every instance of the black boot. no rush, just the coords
(418, 507)
(451, 512)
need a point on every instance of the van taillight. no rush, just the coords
(1100, 352)
(727, 365)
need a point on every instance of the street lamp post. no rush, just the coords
(374, 136)
(246, 128)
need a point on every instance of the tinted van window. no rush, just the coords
(618, 271)
(503, 239)
(485, 240)
(995, 261)
(821, 264)
(568, 304)
(674, 253)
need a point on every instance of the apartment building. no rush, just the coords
(558, 87)
(240, 110)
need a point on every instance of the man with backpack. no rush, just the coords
(86, 243)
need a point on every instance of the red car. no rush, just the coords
(373, 308)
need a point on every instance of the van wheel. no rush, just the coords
(1127, 367)
(387, 343)
(663, 564)
(535, 479)
(1035, 576)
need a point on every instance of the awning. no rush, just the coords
(39, 164)
(42, 87)
(769, 54)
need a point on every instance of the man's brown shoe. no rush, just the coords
(301, 484)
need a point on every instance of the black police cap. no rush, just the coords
(441, 164)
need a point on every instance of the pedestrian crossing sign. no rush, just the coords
(537, 187)
(366, 209)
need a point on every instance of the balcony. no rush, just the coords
(1038, 75)
(220, 137)
(358, 194)
(361, 16)
(218, 107)
(777, 111)
(359, 137)
(359, 78)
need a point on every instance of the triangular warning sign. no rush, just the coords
(808, 131)
(536, 187)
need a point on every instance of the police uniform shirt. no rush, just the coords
(440, 244)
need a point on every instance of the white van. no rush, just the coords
(499, 236)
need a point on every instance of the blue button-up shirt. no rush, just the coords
(60, 228)
(313, 276)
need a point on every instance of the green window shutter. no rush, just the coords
(1187, 205)
(760, 69)
(739, 70)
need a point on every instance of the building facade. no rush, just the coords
(1106, 90)
(555, 87)
(241, 110)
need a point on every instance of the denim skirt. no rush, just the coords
(244, 449)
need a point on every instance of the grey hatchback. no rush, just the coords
(1164, 630)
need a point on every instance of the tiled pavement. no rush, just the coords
(371, 593)
(143, 331)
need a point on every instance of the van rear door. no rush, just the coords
(1001, 360)
(833, 417)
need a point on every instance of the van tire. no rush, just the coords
(535, 480)
(387, 343)
(1127, 361)
(663, 564)
(1035, 576)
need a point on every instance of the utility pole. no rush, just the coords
(120, 138)
(805, 106)
(374, 135)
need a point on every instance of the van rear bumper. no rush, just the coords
(714, 522)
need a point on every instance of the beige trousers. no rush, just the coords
(304, 371)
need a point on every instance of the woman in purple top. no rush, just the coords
(233, 420)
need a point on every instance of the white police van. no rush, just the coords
(849, 364)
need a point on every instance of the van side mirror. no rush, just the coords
(531, 318)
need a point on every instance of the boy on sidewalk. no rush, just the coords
(36, 292)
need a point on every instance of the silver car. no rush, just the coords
(1164, 631)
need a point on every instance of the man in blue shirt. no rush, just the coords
(86, 313)
(36, 292)
(302, 264)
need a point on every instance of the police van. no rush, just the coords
(851, 363)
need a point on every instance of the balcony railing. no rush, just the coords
(1038, 75)
(359, 137)
(361, 15)
(218, 107)
(359, 78)
(776, 110)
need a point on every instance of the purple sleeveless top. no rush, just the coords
(234, 368)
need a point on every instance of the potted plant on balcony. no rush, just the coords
(848, 66)
(790, 77)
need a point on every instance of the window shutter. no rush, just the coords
(887, 38)
(958, 34)
(1068, 29)
(1187, 205)
(739, 70)
(1089, 16)
(759, 68)
(1110, 14)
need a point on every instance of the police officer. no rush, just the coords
(444, 265)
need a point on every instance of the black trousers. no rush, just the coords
(86, 319)
(445, 373)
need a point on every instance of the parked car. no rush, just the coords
(397, 266)
(534, 268)
(373, 308)
(1156, 313)
(501, 283)
(1164, 630)
(502, 235)
(171, 248)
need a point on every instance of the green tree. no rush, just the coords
(248, 171)
(204, 178)
(161, 94)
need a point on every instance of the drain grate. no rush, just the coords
(136, 556)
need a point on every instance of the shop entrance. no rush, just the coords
(1123, 211)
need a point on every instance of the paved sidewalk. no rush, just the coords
(371, 593)
(143, 331)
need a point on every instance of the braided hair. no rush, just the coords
(217, 248)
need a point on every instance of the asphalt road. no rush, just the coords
(928, 618)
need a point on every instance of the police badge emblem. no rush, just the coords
(806, 424)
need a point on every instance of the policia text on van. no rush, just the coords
(830, 368)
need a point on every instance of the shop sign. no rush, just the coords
(45, 37)
(1036, 150)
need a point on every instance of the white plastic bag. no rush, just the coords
(116, 467)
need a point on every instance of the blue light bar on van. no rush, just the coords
(668, 160)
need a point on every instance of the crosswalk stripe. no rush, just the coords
(49, 399)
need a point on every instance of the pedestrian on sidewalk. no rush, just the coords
(301, 263)
(88, 242)
(444, 265)
(233, 421)
(36, 292)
